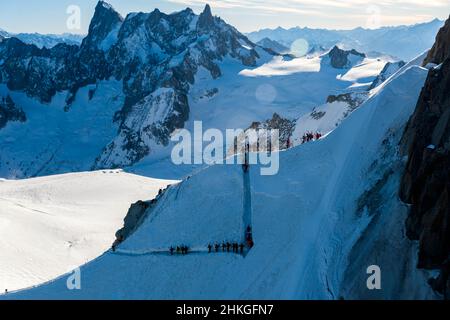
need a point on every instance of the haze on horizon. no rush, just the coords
(50, 16)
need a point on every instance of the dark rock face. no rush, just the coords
(426, 181)
(105, 20)
(340, 58)
(206, 19)
(441, 48)
(132, 221)
(136, 215)
(10, 112)
(156, 57)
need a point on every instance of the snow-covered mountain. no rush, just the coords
(273, 45)
(49, 40)
(311, 239)
(115, 100)
(403, 42)
(44, 40)
(50, 225)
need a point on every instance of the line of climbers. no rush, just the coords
(217, 247)
(226, 247)
(179, 250)
(309, 136)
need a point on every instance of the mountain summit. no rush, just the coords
(340, 59)
(104, 21)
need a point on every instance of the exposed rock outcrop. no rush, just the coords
(341, 59)
(10, 112)
(426, 181)
(285, 129)
(132, 221)
(441, 48)
(353, 99)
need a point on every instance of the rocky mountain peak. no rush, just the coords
(441, 48)
(206, 19)
(104, 21)
(340, 58)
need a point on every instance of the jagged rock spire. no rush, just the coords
(104, 21)
(206, 19)
(339, 57)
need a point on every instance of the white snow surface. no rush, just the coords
(305, 222)
(49, 225)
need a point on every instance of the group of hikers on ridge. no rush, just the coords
(226, 247)
(309, 136)
(234, 247)
(179, 250)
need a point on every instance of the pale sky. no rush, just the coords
(50, 16)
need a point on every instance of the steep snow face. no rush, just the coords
(52, 224)
(306, 222)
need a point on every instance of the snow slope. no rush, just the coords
(306, 222)
(51, 224)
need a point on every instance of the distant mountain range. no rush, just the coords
(403, 42)
(44, 40)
